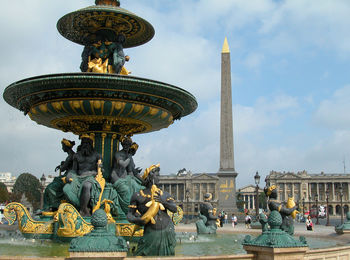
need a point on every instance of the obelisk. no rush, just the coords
(227, 173)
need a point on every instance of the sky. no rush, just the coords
(290, 75)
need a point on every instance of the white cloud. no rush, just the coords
(333, 112)
(254, 60)
(186, 52)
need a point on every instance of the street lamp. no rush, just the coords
(327, 211)
(187, 204)
(316, 199)
(42, 188)
(341, 203)
(257, 180)
(303, 206)
(310, 205)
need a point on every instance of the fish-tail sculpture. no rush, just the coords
(153, 206)
(28, 226)
(291, 204)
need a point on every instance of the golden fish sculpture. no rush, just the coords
(291, 204)
(153, 206)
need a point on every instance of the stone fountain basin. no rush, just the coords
(74, 101)
(188, 244)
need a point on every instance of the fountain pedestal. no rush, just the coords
(264, 253)
(275, 243)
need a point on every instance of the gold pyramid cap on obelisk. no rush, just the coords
(225, 47)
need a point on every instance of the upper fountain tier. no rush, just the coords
(103, 98)
(108, 20)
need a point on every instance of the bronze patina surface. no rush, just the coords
(82, 26)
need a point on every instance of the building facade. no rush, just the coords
(188, 189)
(248, 195)
(310, 190)
(8, 180)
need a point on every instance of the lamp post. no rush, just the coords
(316, 199)
(187, 204)
(341, 204)
(42, 188)
(257, 180)
(327, 211)
(310, 205)
(303, 200)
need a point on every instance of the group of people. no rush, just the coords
(223, 219)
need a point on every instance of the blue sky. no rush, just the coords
(290, 82)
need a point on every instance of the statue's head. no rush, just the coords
(133, 148)
(121, 38)
(67, 144)
(126, 142)
(87, 145)
(271, 191)
(151, 174)
(207, 196)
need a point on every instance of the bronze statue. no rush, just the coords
(207, 219)
(121, 160)
(148, 208)
(82, 189)
(106, 55)
(287, 219)
(53, 194)
(131, 168)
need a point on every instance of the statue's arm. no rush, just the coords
(85, 58)
(211, 215)
(74, 169)
(132, 215)
(280, 208)
(286, 211)
(65, 165)
(167, 201)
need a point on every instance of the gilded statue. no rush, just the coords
(105, 55)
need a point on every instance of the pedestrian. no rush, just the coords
(225, 217)
(248, 220)
(309, 225)
(234, 220)
(222, 219)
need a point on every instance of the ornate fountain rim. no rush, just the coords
(156, 103)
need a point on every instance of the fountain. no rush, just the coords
(103, 104)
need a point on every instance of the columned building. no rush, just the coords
(311, 189)
(189, 189)
(248, 195)
(8, 180)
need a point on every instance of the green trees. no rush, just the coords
(240, 202)
(29, 185)
(4, 195)
(262, 200)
